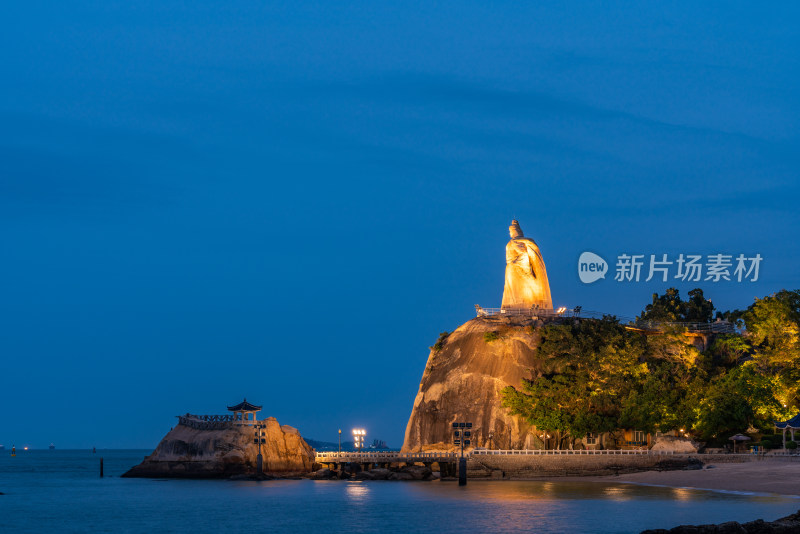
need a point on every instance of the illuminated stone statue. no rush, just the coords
(526, 276)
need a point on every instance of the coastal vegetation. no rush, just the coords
(436, 347)
(488, 337)
(601, 376)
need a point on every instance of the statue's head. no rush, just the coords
(514, 230)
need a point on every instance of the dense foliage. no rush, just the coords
(600, 376)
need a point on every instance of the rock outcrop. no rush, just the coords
(675, 444)
(784, 525)
(462, 382)
(187, 452)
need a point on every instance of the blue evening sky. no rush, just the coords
(290, 200)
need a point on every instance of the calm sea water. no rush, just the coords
(60, 491)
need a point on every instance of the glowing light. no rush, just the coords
(358, 437)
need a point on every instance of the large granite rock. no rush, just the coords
(462, 382)
(188, 452)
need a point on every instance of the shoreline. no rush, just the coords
(775, 478)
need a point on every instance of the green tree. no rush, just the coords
(697, 309)
(591, 367)
(666, 308)
(660, 400)
(737, 400)
(773, 330)
(598, 376)
(670, 308)
(729, 350)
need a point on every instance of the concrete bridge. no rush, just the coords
(523, 463)
(394, 457)
(366, 460)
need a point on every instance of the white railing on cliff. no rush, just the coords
(716, 327)
(211, 422)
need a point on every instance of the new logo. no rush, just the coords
(591, 267)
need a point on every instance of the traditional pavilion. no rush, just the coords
(244, 413)
(791, 425)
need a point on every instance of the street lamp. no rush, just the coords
(340, 442)
(259, 440)
(358, 438)
(462, 435)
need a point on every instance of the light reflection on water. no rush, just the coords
(618, 492)
(357, 491)
(681, 494)
(61, 491)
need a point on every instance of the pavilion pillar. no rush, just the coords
(784, 438)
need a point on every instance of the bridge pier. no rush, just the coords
(447, 469)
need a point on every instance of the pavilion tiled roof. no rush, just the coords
(794, 422)
(244, 406)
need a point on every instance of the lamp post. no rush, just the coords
(259, 440)
(358, 438)
(340, 442)
(462, 435)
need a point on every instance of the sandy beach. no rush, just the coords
(769, 476)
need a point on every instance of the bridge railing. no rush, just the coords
(226, 417)
(199, 423)
(567, 452)
(371, 454)
(421, 456)
(717, 327)
(383, 455)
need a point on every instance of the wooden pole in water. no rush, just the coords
(101, 467)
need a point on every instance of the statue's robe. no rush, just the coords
(526, 277)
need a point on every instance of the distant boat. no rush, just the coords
(52, 446)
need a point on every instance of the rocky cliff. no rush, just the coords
(462, 382)
(224, 451)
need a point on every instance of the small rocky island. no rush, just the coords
(222, 446)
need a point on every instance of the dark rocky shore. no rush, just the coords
(784, 525)
(410, 472)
